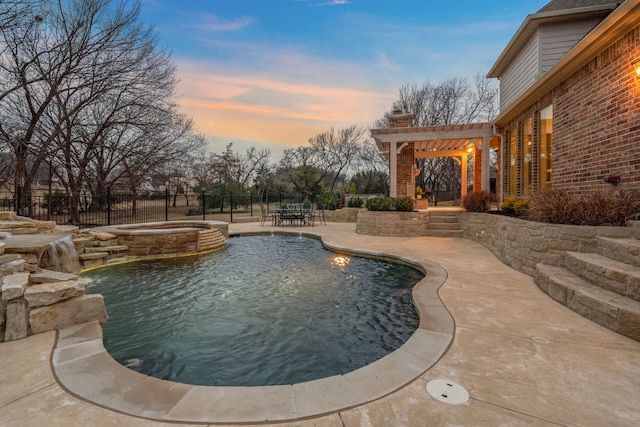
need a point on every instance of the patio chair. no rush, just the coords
(265, 214)
(319, 213)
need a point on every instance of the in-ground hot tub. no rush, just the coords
(170, 237)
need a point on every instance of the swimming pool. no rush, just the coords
(268, 310)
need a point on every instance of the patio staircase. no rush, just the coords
(209, 240)
(603, 286)
(443, 223)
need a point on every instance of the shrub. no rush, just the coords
(597, 208)
(355, 202)
(329, 199)
(381, 203)
(513, 206)
(404, 204)
(478, 201)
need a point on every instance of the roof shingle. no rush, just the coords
(557, 5)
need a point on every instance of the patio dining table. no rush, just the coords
(293, 216)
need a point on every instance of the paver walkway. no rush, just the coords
(524, 359)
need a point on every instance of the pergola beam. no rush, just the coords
(443, 153)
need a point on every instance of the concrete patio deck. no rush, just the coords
(523, 358)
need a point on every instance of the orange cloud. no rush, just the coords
(270, 110)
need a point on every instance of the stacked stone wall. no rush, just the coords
(342, 215)
(522, 244)
(392, 223)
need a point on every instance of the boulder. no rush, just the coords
(17, 326)
(12, 267)
(104, 236)
(87, 308)
(48, 276)
(14, 286)
(52, 293)
(7, 216)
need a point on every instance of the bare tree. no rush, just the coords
(303, 169)
(84, 85)
(337, 151)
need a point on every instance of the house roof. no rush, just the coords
(554, 11)
(557, 5)
(624, 18)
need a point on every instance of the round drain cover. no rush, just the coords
(447, 391)
(541, 340)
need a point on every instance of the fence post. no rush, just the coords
(204, 206)
(166, 204)
(109, 206)
(231, 205)
(18, 199)
(251, 202)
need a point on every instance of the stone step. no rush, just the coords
(210, 240)
(443, 233)
(443, 218)
(625, 250)
(601, 306)
(443, 226)
(615, 276)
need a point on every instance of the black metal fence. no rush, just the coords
(87, 210)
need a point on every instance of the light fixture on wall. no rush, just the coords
(636, 67)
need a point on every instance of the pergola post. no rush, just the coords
(393, 169)
(463, 174)
(486, 163)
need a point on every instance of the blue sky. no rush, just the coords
(274, 73)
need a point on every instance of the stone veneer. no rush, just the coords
(342, 215)
(522, 244)
(392, 223)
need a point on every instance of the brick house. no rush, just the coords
(569, 108)
(570, 99)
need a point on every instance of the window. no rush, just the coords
(545, 138)
(526, 128)
(513, 156)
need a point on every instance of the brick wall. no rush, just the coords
(405, 178)
(596, 122)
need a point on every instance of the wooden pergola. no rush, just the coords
(457, 141)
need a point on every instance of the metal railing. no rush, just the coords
(113, 208)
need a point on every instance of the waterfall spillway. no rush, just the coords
(60, 255)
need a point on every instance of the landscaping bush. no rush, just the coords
(597, 208)
(478, 201)
(355, 202)
(516, 207)
(381, 203)
(403, 204)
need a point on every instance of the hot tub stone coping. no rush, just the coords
(164, 227)
(85, 369)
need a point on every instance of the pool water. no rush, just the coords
(267, 310)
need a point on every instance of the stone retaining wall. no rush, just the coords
(522, 244)
(342, 215)
(392, 223)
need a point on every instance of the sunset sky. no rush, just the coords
(274, 73)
